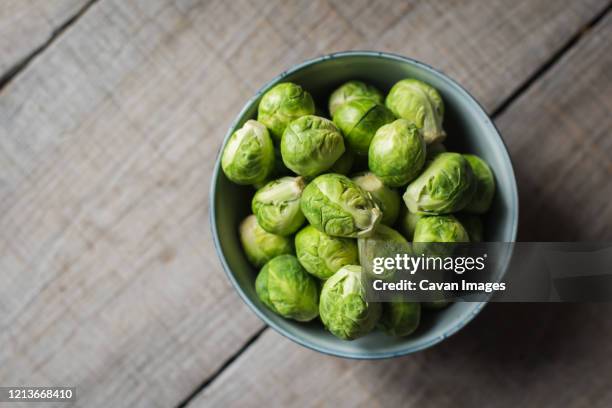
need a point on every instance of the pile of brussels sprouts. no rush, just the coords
(344, 176)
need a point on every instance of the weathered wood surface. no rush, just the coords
(27, 25)
(108, 276)
(540, 355)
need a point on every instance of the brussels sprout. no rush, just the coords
(344, 310)
(445, 186)
(440, 228)
(400, 318)
(359, 120)
(322, 255)
(352, 90)
(281, 105)
(433, 150)
(473, 226)
(261, 246)
(311, 145)
(397, 153)
(334, 204)
(277, 205)
(248, 156)
(287, 289)
(388, 200)
(408, 222)
(415, 100)
(485, 185)
(344, 164)
(432, 235)
(384, 243)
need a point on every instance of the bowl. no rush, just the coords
(469, 129)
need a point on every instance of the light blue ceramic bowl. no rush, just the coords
(469, 130)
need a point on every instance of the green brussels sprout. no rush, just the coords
(397, 153)
(283, 104)
(248, 156)
(334, 204)
(433, 233)
(352, 90)
(277, 205)
(385, 242)
(485, 185)
(445, 186)
(287, 289)
(421, 103)
(400, 318)
(259, 245)
(344, 310)
(434, 149)
(408, 222)
(344, 164)
(473, 226)
(359, 120)
(388, 200)
(440, 228)
(311, 145)
(321, 254)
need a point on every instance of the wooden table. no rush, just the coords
(111, 114)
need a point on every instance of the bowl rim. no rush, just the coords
(366, 354)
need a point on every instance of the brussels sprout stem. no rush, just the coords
(284, 191)
(373, 222)
(370, 182)
(352, 284)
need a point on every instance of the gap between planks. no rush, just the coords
(222, 368)
(500, 109)
(550, 62)
(12, 72)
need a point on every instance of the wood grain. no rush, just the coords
(528, 355)
(27, 25)
(109, 280)
(544, 355)
(560, 138)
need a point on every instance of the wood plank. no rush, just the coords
(27, 25)
(512, 354)
(544, 355)
(561, 143)
(109, 278)
(489, 47)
